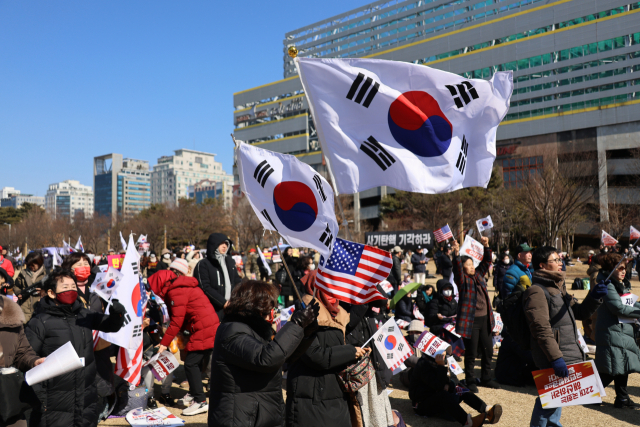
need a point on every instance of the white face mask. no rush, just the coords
(312, 267)
(447, 293)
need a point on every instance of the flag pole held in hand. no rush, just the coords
(623, 258)
(286, 267)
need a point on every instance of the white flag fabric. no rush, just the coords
(392, 345)
(133, 296)
(608, 239)
(484, 224)
(634, 234)
(79, 246)
(124, 242)
(289, 197)
(407, 126)
(264, 260)
(142, 239)
(106, 282)
(66, 248)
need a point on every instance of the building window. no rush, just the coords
(516, 171)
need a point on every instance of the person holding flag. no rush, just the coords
(68, 400)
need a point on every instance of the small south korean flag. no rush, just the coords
(392, 345)
(289, 197)
(106, 282)
(484, 224)
(407, 126)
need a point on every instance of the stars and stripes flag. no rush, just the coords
(608, 239)
(634, 233)
(392, 345)
(442, 234)
(353, 271)
(129, 364)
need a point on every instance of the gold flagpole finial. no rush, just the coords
(293, 51)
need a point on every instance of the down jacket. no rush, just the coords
(68, 400)
(246, 372)
(552, 315)
(314, 396)
(439, 304)
(616, 350)
(189, 310)
(210, 275)
(25, 279)
(517, 274)
(14, 346)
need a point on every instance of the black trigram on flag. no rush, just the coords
(137, 331)
(268, 218)
(363, 90)
(262, 172)
(318, 181)
(327, 237)
(389, 355)
(134, 265)
(127, 318)
(372, 148)
(462, 156)
(461, 90)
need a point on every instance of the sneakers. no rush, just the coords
(494, 414)
(490, 384)
(476, 421)
(187, 399)
(166, 400)
(624, 403)
(196, 408)
(152, 404)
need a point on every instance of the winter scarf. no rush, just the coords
(223, 265)
(330, 303)
(30, 275)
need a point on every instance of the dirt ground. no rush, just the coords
(517, 402)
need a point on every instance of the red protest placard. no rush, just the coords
(581, 387)
(115, 261)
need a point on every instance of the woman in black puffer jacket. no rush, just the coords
(314, 396)
(246, 368)
(68, 400)
(442, 309)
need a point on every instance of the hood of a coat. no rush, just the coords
(621, 287)
(160, 282)
(442, 284)
(215, 240)
(11, 316)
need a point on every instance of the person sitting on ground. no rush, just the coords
(425, 295)
(442, 309)
(404, 309)
(434, 394)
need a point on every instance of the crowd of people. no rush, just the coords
(218, 309)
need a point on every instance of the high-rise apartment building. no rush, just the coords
(122, 186)
(172, 176)
(210, 189)
(575, 65)
(69, 198)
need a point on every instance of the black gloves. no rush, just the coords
(600, 290)
(117, 308)
(304, 317)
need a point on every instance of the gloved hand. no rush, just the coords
(117, 308)
(560, 368)
(304, 317)
(600, 290)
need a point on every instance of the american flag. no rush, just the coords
(443, 233)
(129, 364)
(353, 271)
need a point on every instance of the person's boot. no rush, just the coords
(152, 404)
(624, 403)
(476, 421)
(166, 400)
(494, 414)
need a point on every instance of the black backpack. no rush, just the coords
(514, 319)
(577, 284)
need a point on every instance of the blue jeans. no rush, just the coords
(545, 417)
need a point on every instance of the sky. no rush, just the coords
(79, 79)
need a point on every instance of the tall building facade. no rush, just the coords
(17, 200)
(574, 63)
(69, 198)
(210, 189)
(172, 176)
(122, 186)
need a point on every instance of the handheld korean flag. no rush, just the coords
(634, 234)
(289, 197)
(123, 242)
(106, 282)
(484, 224)
(79, 246)
(391, 344)
(133, 296)
(608, 240)
(407, 126)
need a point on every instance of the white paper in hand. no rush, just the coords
(629, 300)
(63, 360)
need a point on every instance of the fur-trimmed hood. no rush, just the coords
(11, 315)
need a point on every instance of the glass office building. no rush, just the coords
(575, 65)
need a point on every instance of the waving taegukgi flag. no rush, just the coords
(607, 239)
(408, 126)
(392, 345)
(289, 197)
(634, 233)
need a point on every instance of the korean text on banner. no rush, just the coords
(629, 300)
(581, 387)
(473, 249)
(392, 345)
(163, 364)
(431, 344)
(497, 320)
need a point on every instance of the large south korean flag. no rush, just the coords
(407, 126)
(289, 197)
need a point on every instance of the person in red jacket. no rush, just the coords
(191, 311)
(6, 264)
